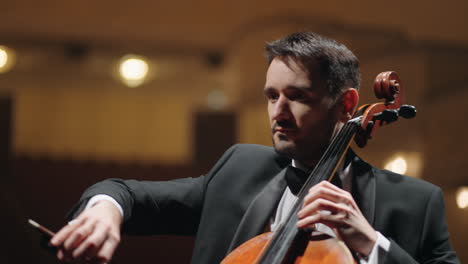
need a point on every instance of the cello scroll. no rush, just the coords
(388, 86)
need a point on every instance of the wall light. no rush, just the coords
(133, 70)
(397, 164)
(7, 59)
(216, 100)
(462, 197)
(407, 162)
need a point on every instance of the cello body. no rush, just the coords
(322, 250)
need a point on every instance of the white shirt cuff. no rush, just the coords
(379, 251)
(101, 197)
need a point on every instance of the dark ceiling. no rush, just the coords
(211, 24)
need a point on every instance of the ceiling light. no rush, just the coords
(7, 59)
(133, 70)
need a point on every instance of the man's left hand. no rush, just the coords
(327, 204)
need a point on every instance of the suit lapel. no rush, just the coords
(259, 211)
(364, 188)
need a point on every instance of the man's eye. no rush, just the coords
(271, 96)
(297, 96)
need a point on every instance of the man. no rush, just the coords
(311, 87)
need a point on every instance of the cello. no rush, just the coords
(289, 244)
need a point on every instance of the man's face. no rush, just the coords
(302, 114)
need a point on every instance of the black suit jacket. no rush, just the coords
(234, 202)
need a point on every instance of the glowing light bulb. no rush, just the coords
(133, 70)
(398, 165)
(462, 197)
(6, 59)
(3, 58)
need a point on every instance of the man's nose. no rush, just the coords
(281, 109)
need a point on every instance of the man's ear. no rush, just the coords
(349, 101)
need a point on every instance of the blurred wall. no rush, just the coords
(74, 123)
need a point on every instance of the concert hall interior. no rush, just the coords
(158, 90)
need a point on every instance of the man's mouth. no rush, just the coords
(284, 128)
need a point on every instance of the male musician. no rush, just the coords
(312, 89)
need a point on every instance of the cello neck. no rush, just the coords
(288, 233)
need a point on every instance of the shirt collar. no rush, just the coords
(344, 172)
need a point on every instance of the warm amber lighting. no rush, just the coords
(216, 100)
(3, 58)
(7, 57)
(462, 197)
(408, 162)
(398, 165)
(133, 70)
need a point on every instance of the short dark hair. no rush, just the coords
(339, 66)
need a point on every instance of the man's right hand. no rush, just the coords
(92, 237)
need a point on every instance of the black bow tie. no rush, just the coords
(295, 179)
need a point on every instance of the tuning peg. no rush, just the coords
(369, 128)
(407, 111)
(387, 115)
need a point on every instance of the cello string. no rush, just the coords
(330, 171)
(330, 158)
(326, 164)
(289, 230)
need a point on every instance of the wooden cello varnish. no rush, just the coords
(320, 251)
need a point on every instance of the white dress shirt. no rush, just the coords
(381, 246)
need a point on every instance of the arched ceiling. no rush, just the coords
(211, 24)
